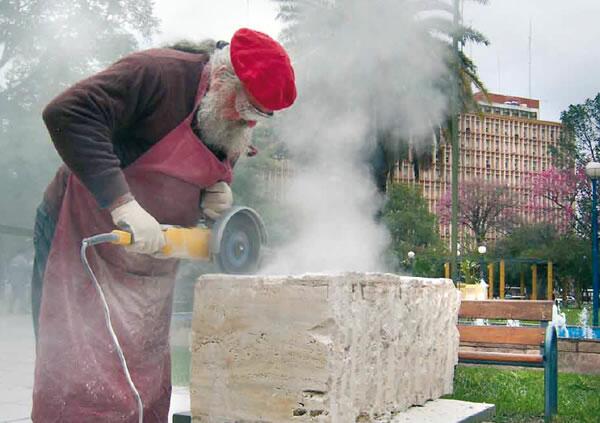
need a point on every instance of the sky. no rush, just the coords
(217, 19)
(565, 58)
(564, 50)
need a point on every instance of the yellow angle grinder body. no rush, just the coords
(234, 242)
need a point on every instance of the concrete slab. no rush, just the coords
(17, 355)
(17, 358)
(438, 411)
(447, 411)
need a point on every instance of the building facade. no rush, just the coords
(504, 144)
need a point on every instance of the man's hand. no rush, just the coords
(216, 199)
(148, 238)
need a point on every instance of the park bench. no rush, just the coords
(543, 335)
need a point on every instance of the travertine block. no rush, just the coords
(333, 348)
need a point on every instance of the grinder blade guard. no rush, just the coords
(236, 241)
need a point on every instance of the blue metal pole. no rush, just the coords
(595, 274)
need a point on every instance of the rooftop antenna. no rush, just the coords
(499, 89)
(530, 37)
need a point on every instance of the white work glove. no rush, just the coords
(216, 199)
(148, 238)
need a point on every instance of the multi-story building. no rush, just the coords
(505, 143)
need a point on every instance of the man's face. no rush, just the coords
(237, 103)
(226, 116)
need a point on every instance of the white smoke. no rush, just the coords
(359, 64)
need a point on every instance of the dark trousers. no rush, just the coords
(42, 241)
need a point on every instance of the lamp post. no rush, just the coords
(455, 111)
(592, 170)
(482, 250)
(411, 260)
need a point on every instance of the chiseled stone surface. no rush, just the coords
(351, 347)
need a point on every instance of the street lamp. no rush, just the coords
(411, 260)
(482, 250)
(592, 170)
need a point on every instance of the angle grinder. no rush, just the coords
(234, 242)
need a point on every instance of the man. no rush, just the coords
(151, 140)
(19, 275)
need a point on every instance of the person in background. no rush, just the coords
(19, 277)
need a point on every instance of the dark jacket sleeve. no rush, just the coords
(83, 120)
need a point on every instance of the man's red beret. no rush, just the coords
(264, 68)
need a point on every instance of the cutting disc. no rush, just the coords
(237, 240)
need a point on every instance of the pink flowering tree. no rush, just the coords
(483, 208)
(558, 197)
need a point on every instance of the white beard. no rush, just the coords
(230, 136)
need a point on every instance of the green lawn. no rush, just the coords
(519, 394)
(572, 315)
(180, 366)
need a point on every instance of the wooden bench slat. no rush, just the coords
(502, 335)
(507, 309)
(502, 357)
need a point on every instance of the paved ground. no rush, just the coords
(16, 367)
(16, 370)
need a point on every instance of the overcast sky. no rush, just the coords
(565, 41)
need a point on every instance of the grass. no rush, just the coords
(180, 366)
(519, 394)
(572, 315)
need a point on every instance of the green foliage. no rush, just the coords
(46, 46)
(470, 271)
(412, 228)
(519, 394)
(579, 143)
(255, 180)
(580, 139)
(569, 254)
(181, 359)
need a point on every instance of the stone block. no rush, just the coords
(330, 348)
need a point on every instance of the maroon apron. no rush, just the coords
(78, 375)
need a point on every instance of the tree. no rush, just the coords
(484, 208)
(579, 144)
(412, 228)
(430, 28)
(44, 47)
(554, 197)
(569, 253)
